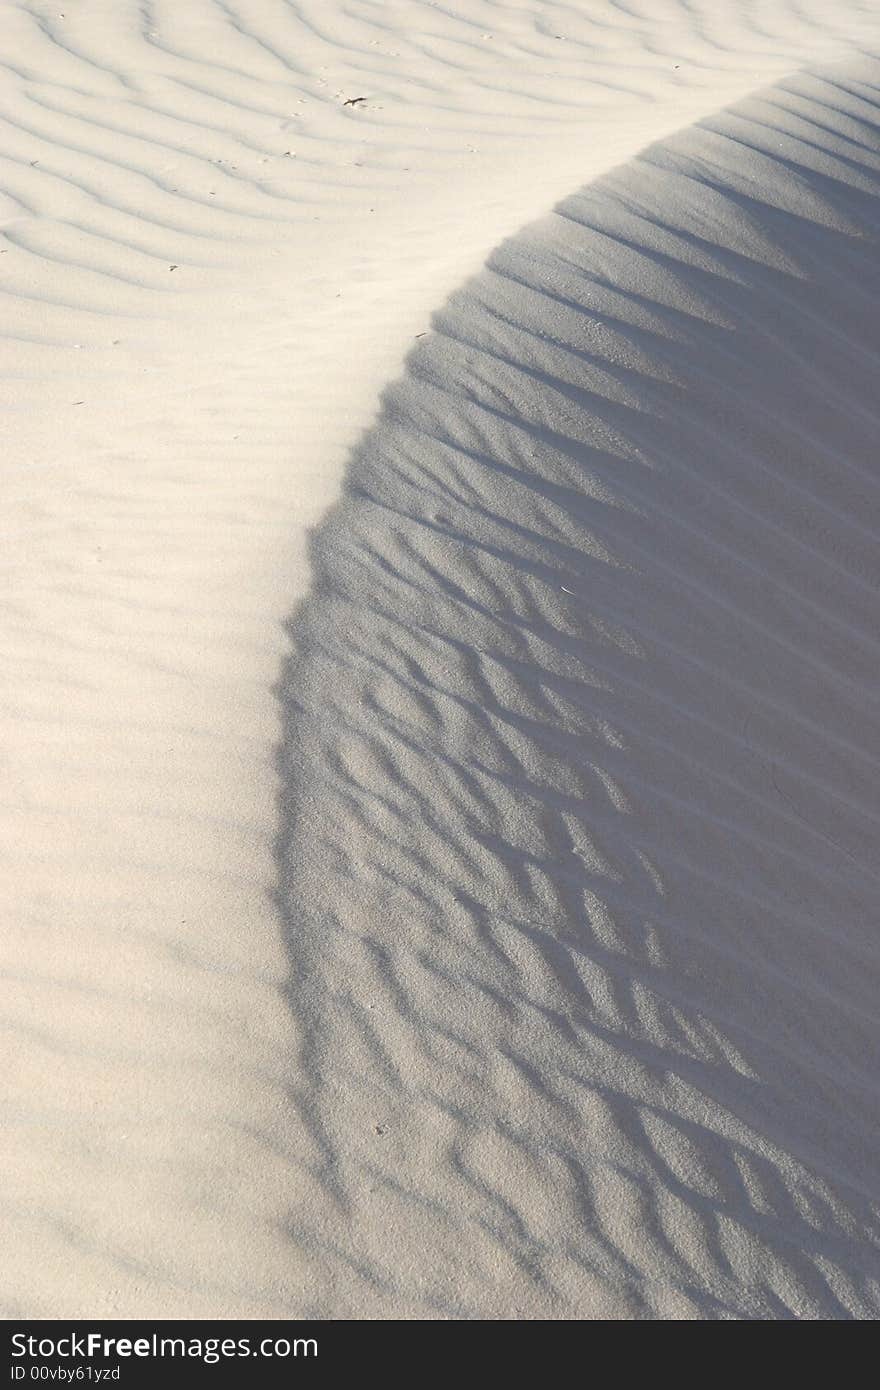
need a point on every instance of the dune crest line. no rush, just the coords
(223, 224)
(581, 721)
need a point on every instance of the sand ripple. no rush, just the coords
(582, 732)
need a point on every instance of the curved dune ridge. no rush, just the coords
(210, 266)
(581, 742)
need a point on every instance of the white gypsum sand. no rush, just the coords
(582, 734)
(559, 998)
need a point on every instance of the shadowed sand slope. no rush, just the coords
(581, 761)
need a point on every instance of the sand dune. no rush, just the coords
(598, 858)
(582, 728)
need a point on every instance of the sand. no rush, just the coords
(440, 696)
